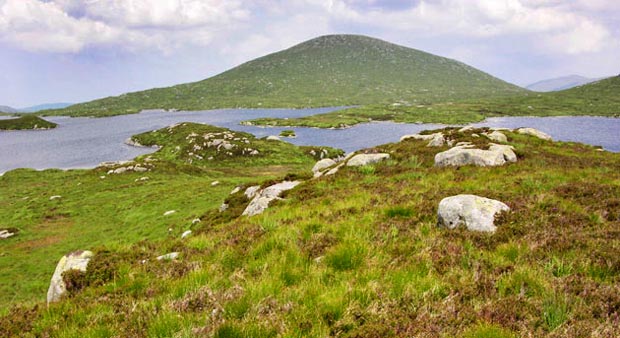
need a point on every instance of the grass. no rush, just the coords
(329, 71)
(598, 99)
(356, 254)
(28, 121)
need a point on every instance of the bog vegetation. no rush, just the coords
(355, 254)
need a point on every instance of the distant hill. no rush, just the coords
(333, 70)
(7, 109)
(560, 83)
(34, 109)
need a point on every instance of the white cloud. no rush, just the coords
(72, 25)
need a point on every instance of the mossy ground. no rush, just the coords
(26, 122)
(356, 254)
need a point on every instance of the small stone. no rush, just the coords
(55, 197)
(195, 221)
(168, 256)
(169, 212)
(186, 233)
(215, 183)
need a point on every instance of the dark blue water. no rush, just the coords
(85, 142)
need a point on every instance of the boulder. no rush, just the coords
(365, 159)
(262, 198)
(214, 183)
(535, 132)
(323, 164)
(466, 129)
(475, 212)
(435, 140)
(273, 138)
(466, 155)
(77, 260)
(169, 212)
(55, 197)
(497, 137)
(186, 233)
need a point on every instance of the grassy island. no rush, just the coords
(26, 122)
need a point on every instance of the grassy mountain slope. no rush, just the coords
(335, 70)
(356, 254)
(601, 98)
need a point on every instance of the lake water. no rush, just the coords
(85, 142)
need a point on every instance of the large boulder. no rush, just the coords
(77, 260)
(475, 212)
(466, 155)
(535, 132)
(366, 159)
(262, 198)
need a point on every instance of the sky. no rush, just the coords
(79, 50)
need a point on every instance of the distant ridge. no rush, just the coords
(332, 70)
(560, 83)
(7, 109)
(34, 109)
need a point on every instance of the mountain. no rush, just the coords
(560, 83)
(7, 109)
(333, 70)
(56, 105)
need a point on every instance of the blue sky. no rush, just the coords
(78, 50)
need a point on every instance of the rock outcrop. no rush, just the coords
(261, 198)
(535, 132)
(322, 165)
(435, 140)
(474, 212)
(465, 154)
(77, 260)
(366, 159)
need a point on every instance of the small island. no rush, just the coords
(26, 122)
(288, 133)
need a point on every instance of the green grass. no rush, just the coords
(356, 254)
(335, 70)
(26, 122)
(600, 99)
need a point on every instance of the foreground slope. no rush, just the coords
(356, 254)
(334, 70)
(601, 98)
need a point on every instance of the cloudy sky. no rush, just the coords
(78, 50)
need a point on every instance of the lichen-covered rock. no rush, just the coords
(535, 132)
(77, 260)
(262, 198)
(474, 212)
(366, 159)
(273, 138)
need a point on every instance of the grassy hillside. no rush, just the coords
(335, 70)
(26, 122)
(601, 98)
(356, 254)
(97, 208)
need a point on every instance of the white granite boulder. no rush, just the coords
(322, 165)
(497, 136)
(474, 212)
(461, 155)
(77, 260)
(535, 132)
